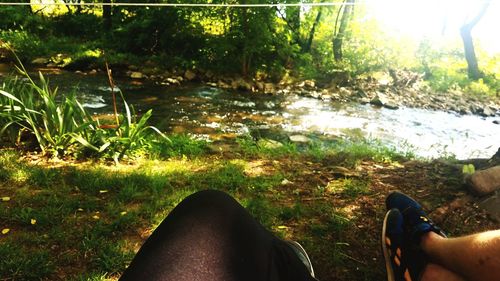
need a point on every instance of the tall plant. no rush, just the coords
(32, 108)
(65, 127)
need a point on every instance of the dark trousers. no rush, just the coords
(209, 236)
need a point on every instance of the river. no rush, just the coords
(214, 114)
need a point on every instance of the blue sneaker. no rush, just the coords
(417, 223)
(402, 261)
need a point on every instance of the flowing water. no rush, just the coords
(212, 113)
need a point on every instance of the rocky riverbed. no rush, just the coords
(391, 89)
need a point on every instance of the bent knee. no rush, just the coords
(434, 272)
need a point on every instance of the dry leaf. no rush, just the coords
(5, 231)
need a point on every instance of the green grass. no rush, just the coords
(89, 215)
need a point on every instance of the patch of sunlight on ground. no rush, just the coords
(258, 168)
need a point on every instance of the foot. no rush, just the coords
(417, 223)
(402, 261)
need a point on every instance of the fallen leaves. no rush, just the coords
(5, 231)
(5, 199)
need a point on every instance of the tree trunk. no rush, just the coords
(309, 41)
(469, 52)
(338, 37)
(245, 64)
(106, 15)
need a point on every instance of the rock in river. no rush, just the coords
(382, 100)
(189, 75)
(136, 75)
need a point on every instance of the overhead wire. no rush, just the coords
(224, 5)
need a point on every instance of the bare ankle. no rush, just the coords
(428, 240)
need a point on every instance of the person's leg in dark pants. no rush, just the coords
(209, 236)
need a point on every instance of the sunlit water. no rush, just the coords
(214, 114)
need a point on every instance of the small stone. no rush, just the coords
(269, 88)
(309, 83)
(40, 61)
(269, 144)
(496, 122)
(285, 182)
(484, 182)
(300, 139)
(136, 75)
(173, 81)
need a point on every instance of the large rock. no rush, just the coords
(189, 75)
(487, 111)
(492, 205)
(382, 100)
(484, 182)
(241, 84)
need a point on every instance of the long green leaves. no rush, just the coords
(29, 111)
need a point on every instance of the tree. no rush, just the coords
(346, 10)
(106, 15)
(470, 54)
(307, 45)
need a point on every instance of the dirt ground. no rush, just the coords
(436, 185)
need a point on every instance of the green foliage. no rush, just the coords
(468, 169)
(34, 109)
(446, 69)
(263, 43)
(64, 127)
(179, 145)
(16, 266)
(262, 147)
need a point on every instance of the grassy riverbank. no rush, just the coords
(85, 220)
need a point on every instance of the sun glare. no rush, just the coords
(438, 20)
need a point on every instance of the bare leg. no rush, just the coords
(475, 257)
(434, 272)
